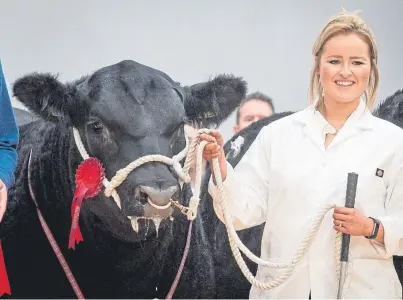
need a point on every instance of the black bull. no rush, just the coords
(122, 112)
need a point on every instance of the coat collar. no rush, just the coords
(361, 117)
(314, 124)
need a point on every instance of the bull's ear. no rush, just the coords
(210, 103)
(45, 96)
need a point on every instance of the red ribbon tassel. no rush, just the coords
(4, 283)
(89, 177)
(75, 232)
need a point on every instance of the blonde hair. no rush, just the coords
(345, 23)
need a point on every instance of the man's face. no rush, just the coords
(252, 111)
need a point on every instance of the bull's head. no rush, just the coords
(126, 111)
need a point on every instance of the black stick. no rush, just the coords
(350, 201)
(345, 242)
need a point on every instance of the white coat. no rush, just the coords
(287, 175)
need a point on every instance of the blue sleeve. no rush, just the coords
(9, 135)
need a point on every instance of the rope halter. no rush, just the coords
(122, 174)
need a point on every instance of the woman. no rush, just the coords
(8, 144)
(300, 163)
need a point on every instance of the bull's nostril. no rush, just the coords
(143, 198)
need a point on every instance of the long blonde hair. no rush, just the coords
(345, 23)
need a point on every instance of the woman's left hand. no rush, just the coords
(352, 221)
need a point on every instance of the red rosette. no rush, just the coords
(89, 177)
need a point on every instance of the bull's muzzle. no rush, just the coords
(159, 199)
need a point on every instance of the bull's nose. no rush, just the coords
(159, 198)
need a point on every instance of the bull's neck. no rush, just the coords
(52, 165)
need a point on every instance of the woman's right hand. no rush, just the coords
(215, 145)
(215, 149)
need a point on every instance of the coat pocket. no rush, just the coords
(371, 195)
(372, 279)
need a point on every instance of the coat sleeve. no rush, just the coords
(8, 136)
(247, 186)
(392, 220)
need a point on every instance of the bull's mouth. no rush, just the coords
(150, 211)
(138, 224)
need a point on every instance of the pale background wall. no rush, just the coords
(267, 42)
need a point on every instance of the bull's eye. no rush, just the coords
(96, 126)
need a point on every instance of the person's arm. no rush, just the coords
(8, 136)
(389, 241)
(247, 186)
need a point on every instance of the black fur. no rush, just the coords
(391, 109)
(214, 108)
(51, 98)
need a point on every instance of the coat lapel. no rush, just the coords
(314, 123)
(360, 120)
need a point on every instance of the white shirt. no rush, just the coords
(287, 175)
